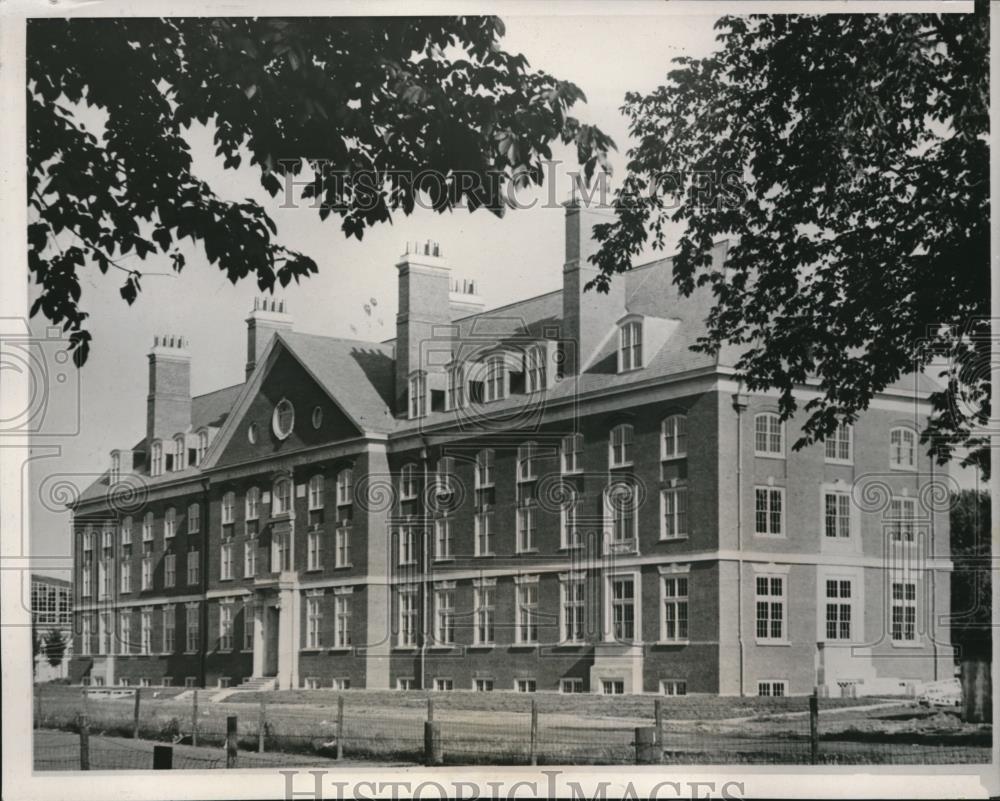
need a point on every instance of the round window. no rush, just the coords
(317, 417)
(252, 433)
(283, 419)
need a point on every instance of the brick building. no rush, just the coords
(555, 495)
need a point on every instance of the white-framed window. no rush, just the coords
(156, 459)
(484, 532)
(193, 518)
(571, 686)
(484, 610)
(839, 446)
(903, 449)
(769, 511)
(311, 683)
(104, 577)
(407, 616)
(146, 631)
(125, 631)
(673, 687)
(620, 514)
(569, 531)
(525, 529)
(314, 551)
(170, 523)
(675, 608)
(86, 634)
(612, 686)
(147, 527)
(569, 453)
(146, 576)
(527, 455)
(314, 622)
(342, 545)
(226, 560)
(527, 610)
(444, 472)
(192, 628)
(126, 530)
(623, 628)
(225, 627)
(116, 467)
(202, 446)
(536, 368)
(250, 558)
(228, 508)
(408, 683)
(169, 629)
(772, 689)
(169, 570)
(193, 567)
(345, 487)
(838, 609)
(283, 419)
(770, 607)
(901, 519)
(484, 468)
(769, 435)
(620, 445)
(179, 452)
(125, 574)
(574, 594)
(443, 685)
(408, 482)
(316, 492)
(673, 437)
(407, 544)
(444, 615)
(282, 496)
(442, 538)
(86, 577)
(342, 621)
(483, 685)
(903, 621)
(836, 514)
(673, 513)
(455, 397)
(418, 395)
(496, 378)
(630, 346)
(252, 504)
(525, 685)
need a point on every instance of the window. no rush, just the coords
(619, 502)
(169, 629)
(418, 395)
(525, 529)
(837, 514)
(179, 452)
(496, 378)
(345, 486)
(170, 523)
(169, 570)
(443, 472)
(190, 681)
(675, 608)
(572, 447)
(202, 446)
(484, 533)
(527, 611)
(104, 577)
(442, 538)
(342, 619)
(673, 508)
(770, 607)
(571, 686)
(250, 558)
(252, 507)
(613, 687)
(630, 346)
(125, 571)
(314, 554)
(156, 459)
(283, 419)
(483, 685)
(444, 616)
(228, 509)
(317, 417)
(673, 687)
(620, 446)
(569, 531)
(407, 545)
(623, 608)
(226, 561)
(673, 437)
(769, 517)
(484, 468)
(116, 467)
(314, 622)
(194, 518)
(408, 482)
(342, 545)
(193, 567)
(147, 527)
(281, 552)
(525, 685)
(253, 433)
(455, 398)
(903, 449)
(484, 602)
(902, 513)
(406, 684)
(407, 617)
(444, 685)
(225, 627)
(167, 681)
(248, 624)
(838, 609)
(838, 444)
(192, 628)
(86, 633)
(526, 467)
(573, 600)
(282, 503)
(771, 689)
(536, 368)
(125, 631)
(126, 530)
(769, 435)
(104, 633)
(904, 611)
(315, 496)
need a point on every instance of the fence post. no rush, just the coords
(340, 727)
(163, 757)
(231, 741)
(645, 746)
(194, 719)
(430, 708)
(84, 742)
(814, 728)
(658, 713)
(135, 723)
(433, 752)
(261, 727)
(534, 732)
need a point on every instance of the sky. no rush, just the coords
(104, 406)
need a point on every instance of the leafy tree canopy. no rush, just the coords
(378, 110)
(846, 159)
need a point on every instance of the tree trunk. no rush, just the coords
(977, 690)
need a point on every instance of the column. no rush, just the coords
(259, 643)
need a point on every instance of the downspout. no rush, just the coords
(740, 405)
(203, 633)
(424, 566)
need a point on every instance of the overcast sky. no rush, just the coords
(510, 259)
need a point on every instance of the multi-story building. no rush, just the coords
(559, 494)
(51, 611)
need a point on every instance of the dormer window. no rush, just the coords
(418, 395)
(116, 467)
(156, 459)
(536, 368)
(496, 378)
(455, 399)
(629, 345)
(202, 446)
(179, 452)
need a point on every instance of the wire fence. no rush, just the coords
(121, 733)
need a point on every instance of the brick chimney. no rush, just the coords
(464, 299)
(425, 313)
(168, 404)
(588, 317)
(267, 317)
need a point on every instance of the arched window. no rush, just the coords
(202, 446)
(630, 346)
(116, 466)
(179, 461)
(156, 458)
(316, 492)
(620, 446)
(418, 395)
(283, 419)
(903, 449)
(484, 468)
(170, 522)
(345, 486)
(456, 387)
(536, 368)
(673, 437)
(282, 503)
(496, 378)
(408, 482)
(769, 435)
